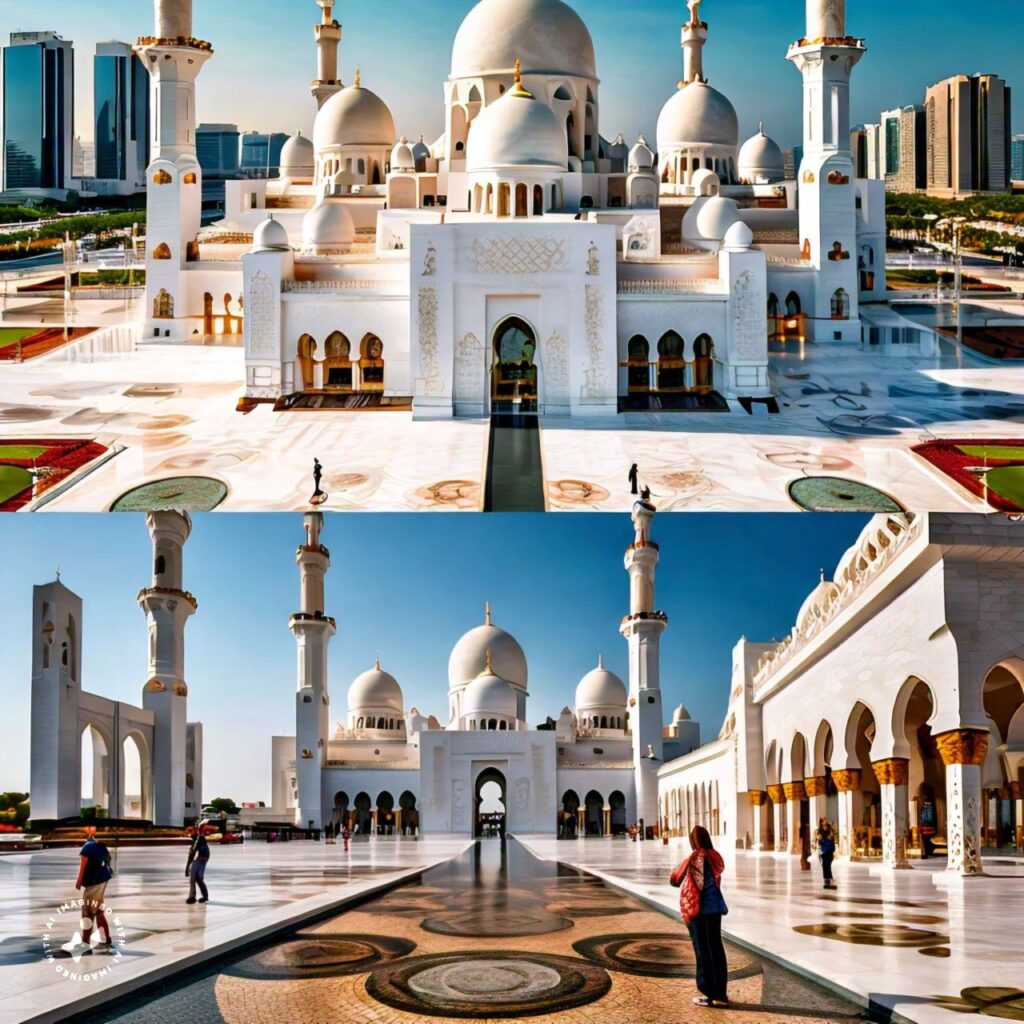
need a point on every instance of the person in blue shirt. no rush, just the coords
(195, 868)
(93, 875)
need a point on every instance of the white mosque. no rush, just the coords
(521, 261)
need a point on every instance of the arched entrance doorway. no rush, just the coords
(337, 362)
(363, 816)
(95, 771)
(515, 376)
(638, 364)
(342, 812)
(617, 802)
(568, 819)
(385, 814)
(594, 815)
(410, 814)
(490, 803)
(135, 796)
(371, 363)
(671, 363)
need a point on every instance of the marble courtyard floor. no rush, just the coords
(848, 411)
(895, 940)
(255, 888)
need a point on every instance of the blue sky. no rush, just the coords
(265, 58)
(407, 587)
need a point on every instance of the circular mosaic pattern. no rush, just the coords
(180, 493)
(875, 934)
(483, 985)
(577, 492)
(795, 459)
(834, 494)
(656, 955)
(495, 922)
(321, 956)
(461, 494)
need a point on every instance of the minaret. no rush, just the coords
(642, 629)
(328, 38)
(695, 35)
(168, 607)
(313, 631)
(174, 193)
(826, 57)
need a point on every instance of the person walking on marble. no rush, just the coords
(702, 907)
(93, 875)
(825, 840)
(195, 868)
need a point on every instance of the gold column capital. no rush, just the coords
(893, 771)
(757, 797)
(962, 746)
(815, 785)
(777, 794)
(847, 780)
(795, 791)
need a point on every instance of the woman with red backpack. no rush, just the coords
(702, 907)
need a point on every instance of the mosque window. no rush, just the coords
(599, 751)
(161, 565)
(651, 700)
(162, 178)
(190, 178)
(307, 700)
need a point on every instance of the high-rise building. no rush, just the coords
(121, 97)
(261, 153)
(217, 147)
(866, 148)
(904, 132)
(792, 158)
(968, 135)
(39, 112)
(1017, 158)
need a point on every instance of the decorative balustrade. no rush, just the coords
(874, 554)
(348, 285)
(674, 286)
(790, 261)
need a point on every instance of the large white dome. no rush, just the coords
(697, 115)
(760, 158)
(548, 36)
(354, 117)
(517, 131)
(489, 694)
(469, 657)
(600, 688)
(375, 689)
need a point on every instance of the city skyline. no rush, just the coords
(239, 639)
(416, 66)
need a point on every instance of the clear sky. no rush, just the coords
(265, 55)
(407, 587)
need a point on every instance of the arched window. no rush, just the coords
(162, 178)
(504, 199)
(793, 307)
(522, 196)
(840, 305)
(538, 200)
(671, 363)
(704, 363)
(502, 725)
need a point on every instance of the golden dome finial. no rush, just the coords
(359, 78)
(487, 614)
(519, 89)
(378, 662)
(489, 667)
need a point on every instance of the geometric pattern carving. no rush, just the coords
(594, 376)
(262, 318)
(520, 254)
(430, 369)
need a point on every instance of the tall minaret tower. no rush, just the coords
(174, 192)
(168, 607)
(642, 629)
(313, 631)
(695, 35)
(328, 39)
(826, 57)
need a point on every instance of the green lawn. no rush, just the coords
(13, 480)
(12, 335)
(21, 451)
(992, 451)
(1008, 483)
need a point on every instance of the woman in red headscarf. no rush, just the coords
(701, 904)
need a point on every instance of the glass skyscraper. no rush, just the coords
(121, 90)
(38, 76)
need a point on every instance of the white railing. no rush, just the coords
(393, 287)
(674, 286)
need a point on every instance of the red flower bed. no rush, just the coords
(955, 463)
(45, 340)
(57, 463)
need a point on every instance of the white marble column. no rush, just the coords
(795, 794)
(893, 775)
(847, 782)
(759, 818)
(815, 787)
(963, 753)
(1018, 813)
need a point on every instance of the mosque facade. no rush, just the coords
(521, 261)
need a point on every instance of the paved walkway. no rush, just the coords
(897, 940)
(255, 889)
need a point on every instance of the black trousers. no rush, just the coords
(826, 865)
(712, 969)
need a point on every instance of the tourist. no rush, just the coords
(346, 835)
(825, 840)
(195, 868)
(698, 879)
(634, 479)
(93, 875)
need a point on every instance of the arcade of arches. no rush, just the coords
(593, 816)
(671, 366)
(331, 366)
(384, 816)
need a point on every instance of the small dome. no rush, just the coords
(270, 236)
(641, 156)
(353, 117)
(697, 115)
(760, 159)
(681, 714)
(548, 36)
(297, 157)
(489, 694)
(517, 131)
(600, 688)
(420, 152)
(329, 227)
(715, 218)
(402, 158)
(469, 656)
(739, 236)
(375, 689)
(705, 182)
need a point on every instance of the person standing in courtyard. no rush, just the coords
(195, 868)
(825, 840)
(93, 875)
(702, 907)
(634, 478)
